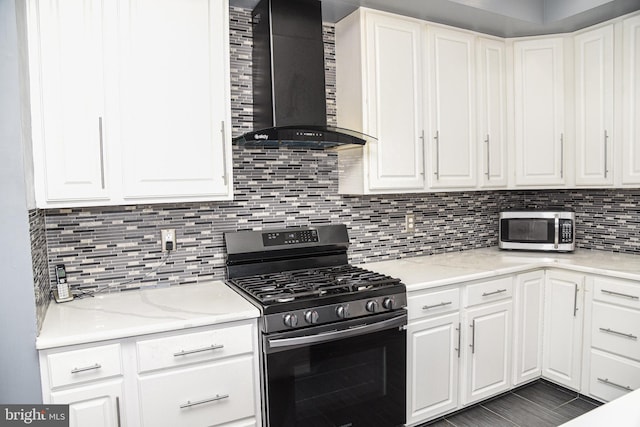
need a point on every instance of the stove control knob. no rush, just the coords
(311, 317)
(388, 303)
(371, 306)
(341, 312)
(291, 320)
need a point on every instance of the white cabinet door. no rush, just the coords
(631, 101)
(562, 342)
(492, 112)
(174, 102)
(539, 112)
(394, 108)
(432, 374)
(67, 77)
(199, 395)
(94, 405)
(527, 342)
(594, 106)
(452, 115)
(488, 350)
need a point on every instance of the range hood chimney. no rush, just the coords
(289, 97)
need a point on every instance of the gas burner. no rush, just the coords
(311, 283)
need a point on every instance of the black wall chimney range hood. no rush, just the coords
(289, 98)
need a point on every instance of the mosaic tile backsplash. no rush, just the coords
(119, 247)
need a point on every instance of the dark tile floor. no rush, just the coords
(538, 404)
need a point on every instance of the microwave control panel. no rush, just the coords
(566, 231)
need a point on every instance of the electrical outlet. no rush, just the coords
(168, 240)
(410, 223)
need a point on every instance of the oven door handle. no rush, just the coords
(398, 322)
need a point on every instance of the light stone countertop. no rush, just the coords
(140, 312)
(426, 272)
(621, 412)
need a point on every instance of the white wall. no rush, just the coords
(19, 370)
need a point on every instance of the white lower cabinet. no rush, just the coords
(202, 395)
(204, 376)
(444, 372)
(562, 346)
(528, 321)
(95, 405)
(612, 331)
(433, 340)
(487, 349)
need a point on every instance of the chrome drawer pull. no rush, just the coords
(622, 334)
(442, 304)
(618, 294)
(606, 381)
(499, 291)
(88, 368)
(198, 350)
(200, 402)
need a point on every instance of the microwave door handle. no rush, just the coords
(557, 232)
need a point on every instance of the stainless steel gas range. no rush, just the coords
(333, 335)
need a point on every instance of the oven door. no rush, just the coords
(350, 375)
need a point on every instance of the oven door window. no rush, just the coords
(358, 382)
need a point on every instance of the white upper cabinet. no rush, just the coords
(452, 108)
(68, 87)
(539, 112)
(174, 83)
(130, 101)
(379, 91)
(594, 60)
(631, 101)
(492, 112)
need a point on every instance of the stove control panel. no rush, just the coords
(331, 313)
(294, 237)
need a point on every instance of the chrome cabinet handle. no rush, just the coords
(606, 143)
(623, 387)
(499, 291)
(118, 420)
(488, 172)
(562, 155)
(459, 338)
(224, 153)
(87, 368)
(473, 336)
(198, 350)
(437, 139)
(575, 300)
(622, 334)
(442, 304)
(200, 402)
(424, 154)
(101, 139)
(618, 294)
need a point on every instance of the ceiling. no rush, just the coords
(504, 18)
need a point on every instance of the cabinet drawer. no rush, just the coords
(489, 291)
(437, 302)
(620, 292)
(194, 347)
(616, 329)
(78, 366)
(210, 394)
(612, 376)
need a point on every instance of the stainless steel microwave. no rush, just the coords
(538, 230)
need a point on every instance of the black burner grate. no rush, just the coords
(296, 285)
